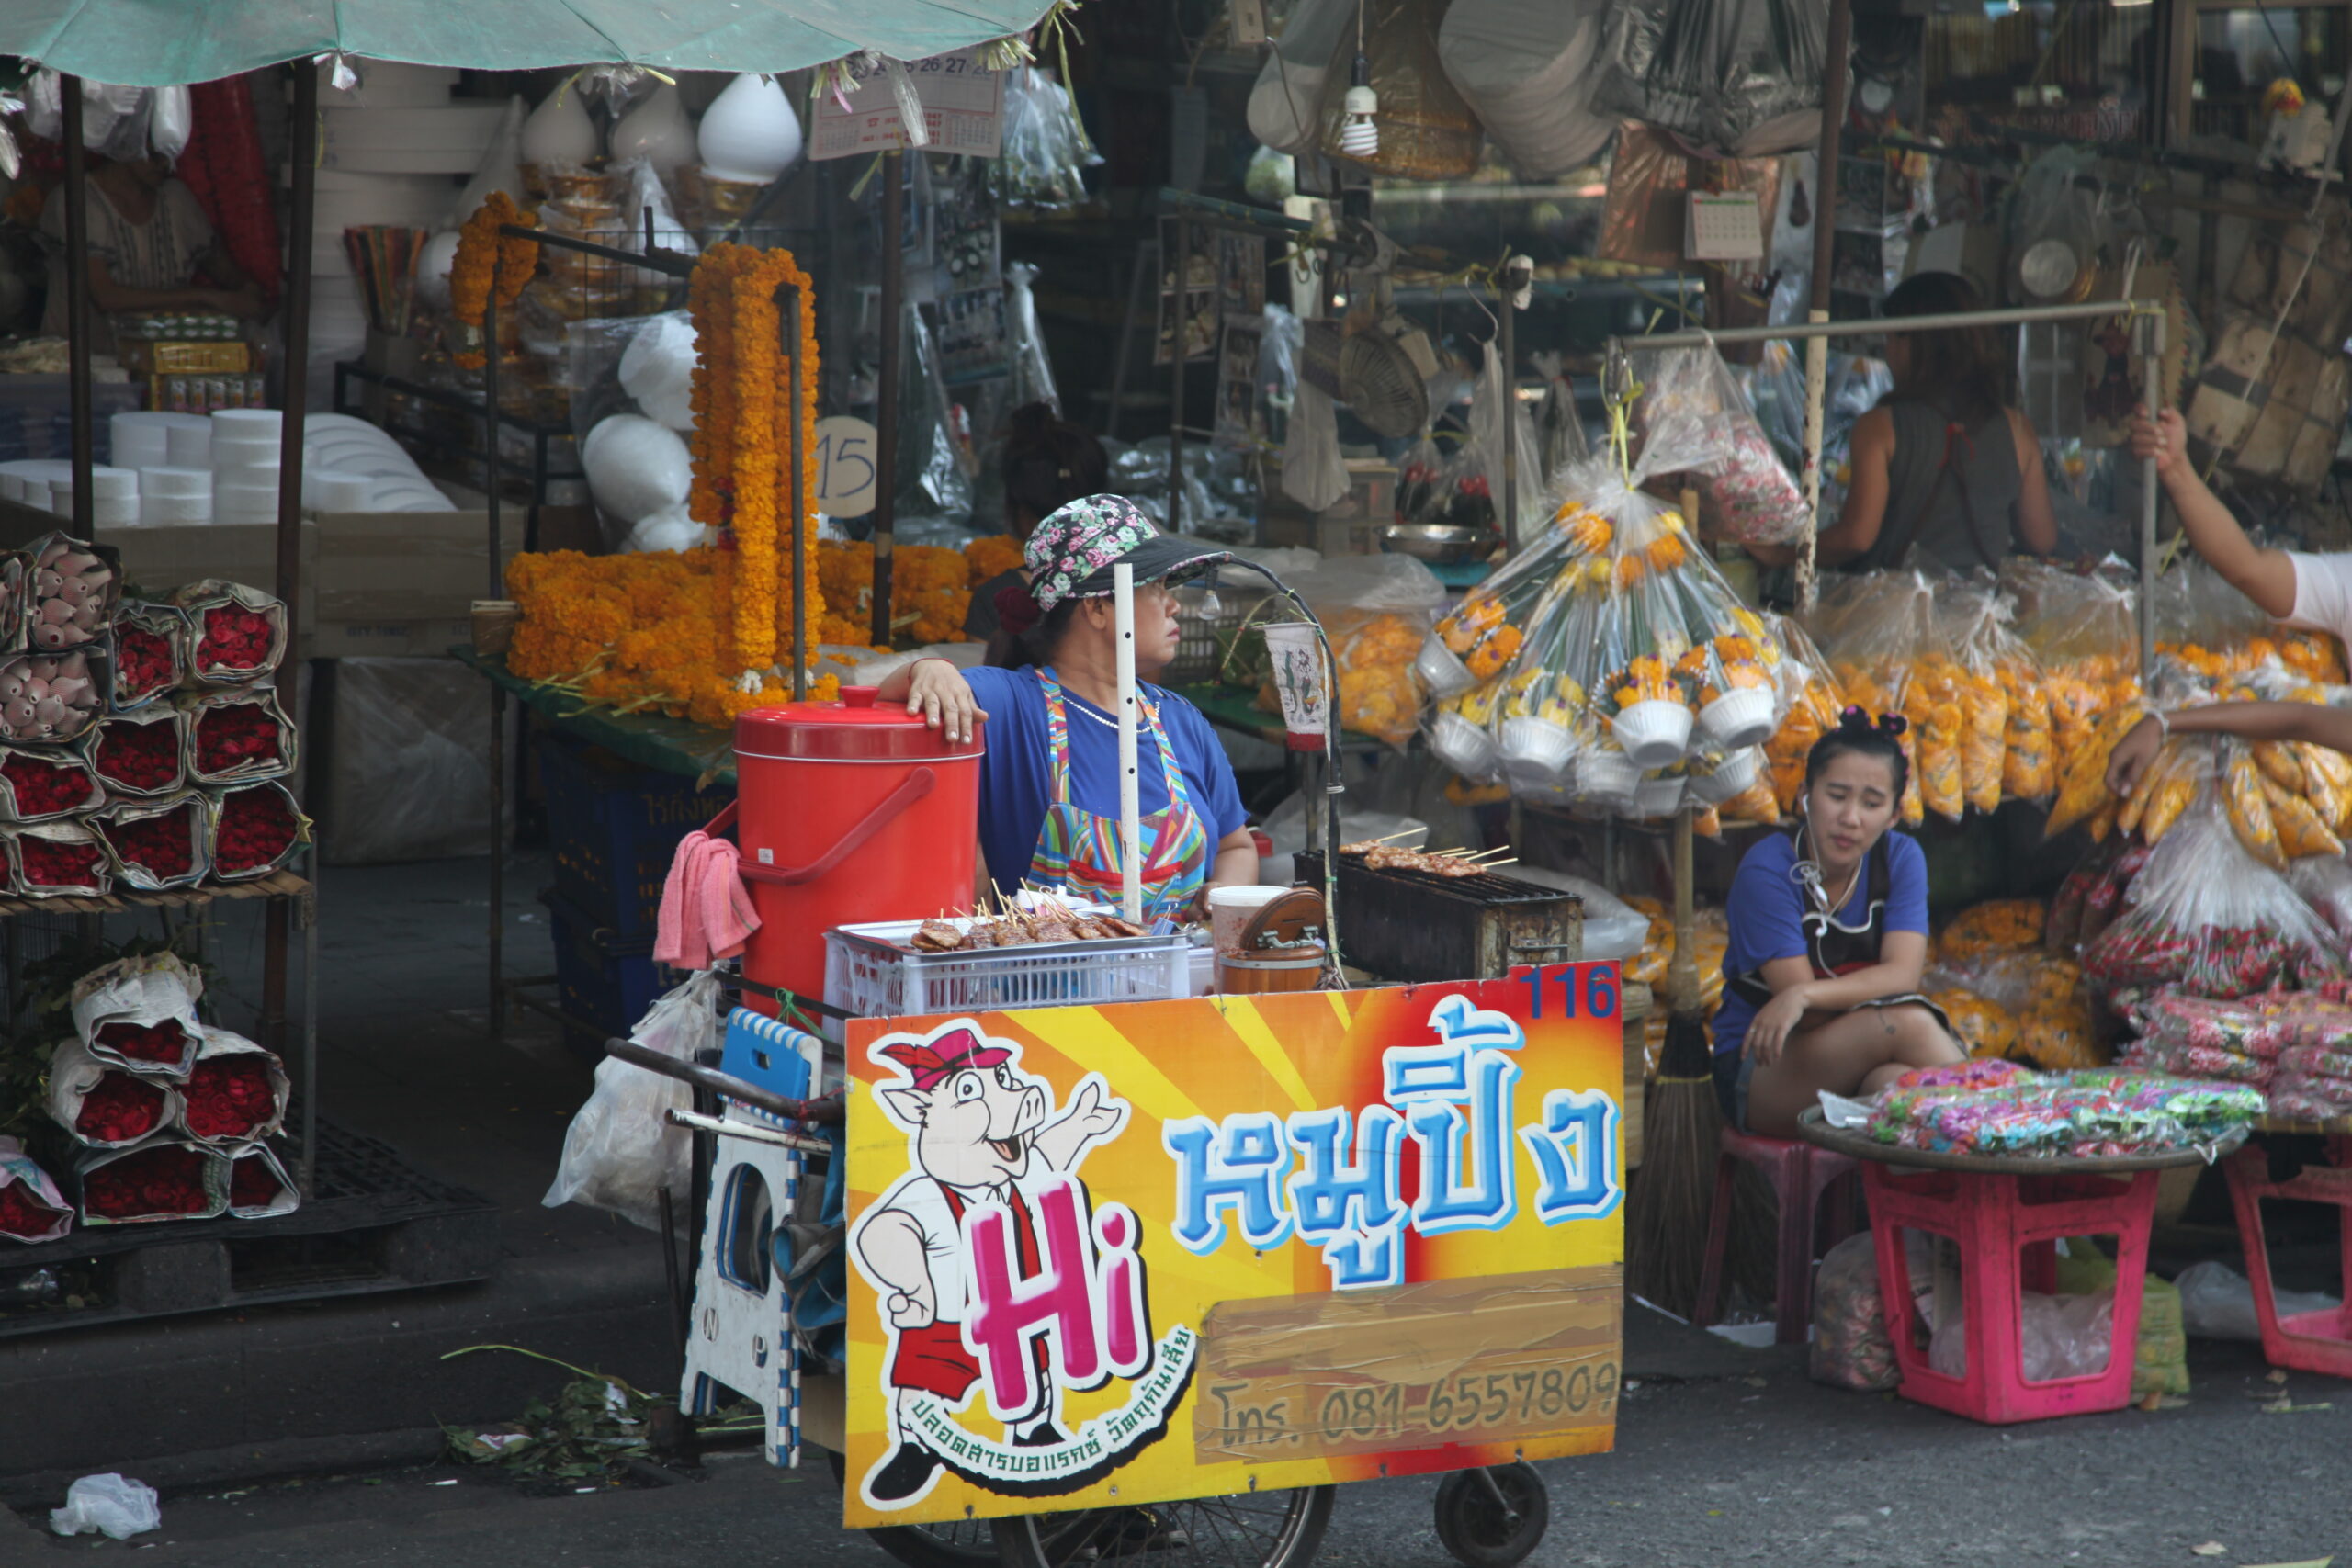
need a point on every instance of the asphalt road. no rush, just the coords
(1755, 1466)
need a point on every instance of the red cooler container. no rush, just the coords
(846, 813)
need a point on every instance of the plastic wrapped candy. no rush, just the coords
(2209, 919)
(2309, 1021)
(2246, 1027)
(2098, 1112)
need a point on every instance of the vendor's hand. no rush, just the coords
(943, 698)
(1768, 1030)
(2165, 438)
(2127, 763)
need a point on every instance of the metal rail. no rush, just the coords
(1880, 326)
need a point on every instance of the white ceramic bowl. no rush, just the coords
(1465, 747)
(1735, 775)
(1653, 734)
(1741, 717)
(1442, 670)
(1536, 749)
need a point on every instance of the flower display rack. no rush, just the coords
(372, 1223)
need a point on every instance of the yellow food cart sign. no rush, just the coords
(1165, 1250)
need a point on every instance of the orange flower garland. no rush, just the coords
(741, 429)
(488, 262)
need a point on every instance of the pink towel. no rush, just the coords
(706, 913)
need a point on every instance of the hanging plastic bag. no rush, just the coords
(620, 1152)
(1733, 78)
(1377, 611)
(1489, 398)
(1045, 148)
(1745, 492)
(648, 199)
(1811, 701)
(1313, 475)
(2209, 918)
(1284, 104)
(1032, 372)
(1560, 439)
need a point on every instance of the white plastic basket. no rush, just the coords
(1653, 733)
(866, 973)
(1732, 777)
(1465, 747)
(1739, 718)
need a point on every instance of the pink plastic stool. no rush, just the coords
(2308, 1341)
(1799, 1173)
(2005, 1225)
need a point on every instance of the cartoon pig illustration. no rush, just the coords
(979, 1135)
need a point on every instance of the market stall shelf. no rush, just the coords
(372, 1223)
(277, 884)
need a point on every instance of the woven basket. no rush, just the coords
(1428, 130)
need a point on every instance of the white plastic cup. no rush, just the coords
(1230, 912)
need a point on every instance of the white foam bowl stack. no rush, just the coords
(336, 491)
(174, 511)
(114, 513)
(178, 484)
(110, 483)
(139, 439)
(242, 457)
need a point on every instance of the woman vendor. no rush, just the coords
(1828, 932)
(150, 249)
(1049, 780)
(1943, 463)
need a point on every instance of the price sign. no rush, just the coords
(845, 471)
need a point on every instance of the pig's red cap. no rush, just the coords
(943, 1057)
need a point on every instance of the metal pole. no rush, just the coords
(1879, 326)
(311, 1094)
(77, 300)
(886, 394)
(497, 692)
(294, 338)
(1507, 341)
(1817, 355)
(2149, 331)
(793, 324)
(1179, 275)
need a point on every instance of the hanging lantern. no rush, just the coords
(1425, 130)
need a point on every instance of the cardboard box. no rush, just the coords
(373, 583)
(1349, 525)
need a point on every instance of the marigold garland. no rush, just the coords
(488, 262)
(741, 431)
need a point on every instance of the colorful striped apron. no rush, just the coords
(1077, 851)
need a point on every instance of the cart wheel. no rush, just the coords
(953, 1543)
(1248, 1529)
(1492, 1517)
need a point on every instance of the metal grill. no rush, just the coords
(1415, 926)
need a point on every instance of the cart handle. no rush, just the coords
(919, 784)
(825, 1112)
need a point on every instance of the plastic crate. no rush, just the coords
(866, 974)
(601, 977)
(613, 828)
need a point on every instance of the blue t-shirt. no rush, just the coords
(1767, 902)
(1016, 783)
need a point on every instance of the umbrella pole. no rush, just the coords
(1123, 586)
(1816, 350)
(77, 300)
(294, 340)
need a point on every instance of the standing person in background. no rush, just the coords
(1048, 463)
(1943, 462)
(2312, 591)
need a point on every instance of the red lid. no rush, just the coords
(850, 730)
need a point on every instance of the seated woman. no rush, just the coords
(1049, 780)
(1828, 934)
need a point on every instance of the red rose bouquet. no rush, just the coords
(238, 735)
(160, 1179)
(30, 1207)
(142, 753)
(36, 785)
(237, 1092)
(258, 1185)
(254, 828)
(157, 845)
(122, 1109)
(106, 1103)
(150, 653)
(240, 631)
(58, 859)
(169, 1044)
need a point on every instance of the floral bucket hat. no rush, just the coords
(1072, 552)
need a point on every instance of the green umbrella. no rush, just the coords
(154, 43)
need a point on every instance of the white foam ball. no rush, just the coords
(635, 466)
(668, 529)
(658, 370)
(433, 264)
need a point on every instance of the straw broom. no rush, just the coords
(1666, 1205)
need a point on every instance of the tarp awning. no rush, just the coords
(154, 43)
